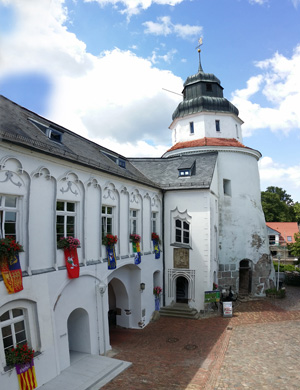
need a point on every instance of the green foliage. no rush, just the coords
(19, 355)
(278, 206)
(285, 267)
(273, 292)
(292, 278)
(295, 247)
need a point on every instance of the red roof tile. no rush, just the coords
(207, 141)
(286, 229)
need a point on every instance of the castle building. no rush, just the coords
(202, 198)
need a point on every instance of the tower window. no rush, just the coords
(237, 131)
(192, 128)
(217, 125)
(208, 87)
(227, 187)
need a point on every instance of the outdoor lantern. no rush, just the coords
(142, 286)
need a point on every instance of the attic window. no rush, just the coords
(54, 135)
(208, 87)
(184, 172)
(118, 160)
(289, 238)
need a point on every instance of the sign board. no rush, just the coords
(181, 258)
(227, 309)
(212, 296)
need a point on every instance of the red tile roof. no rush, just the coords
(286, 229)
(207, 141)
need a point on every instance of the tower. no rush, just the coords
(206, 122)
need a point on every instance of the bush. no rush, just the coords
(274, 293)
(285, 267)
(292, 278)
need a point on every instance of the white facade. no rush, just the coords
(61, 314)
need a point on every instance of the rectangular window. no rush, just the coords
(13, 330)
(133, 221)
(154, 222)
(65, 219)
(217, 125)
(227, 187)
(208, 87)
(191, 127)
(8, 216)
(182, 232)
(107, 220)
(289, 238)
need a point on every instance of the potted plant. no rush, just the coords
(109, 240)
(69, 245)
(157, 291)
(135, 238)
(156, 242)
(22, 358)
(9, 248)
(10, 264)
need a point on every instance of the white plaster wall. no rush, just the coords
(55, 296)
(197, 205)
(241, 214)
(204, 126)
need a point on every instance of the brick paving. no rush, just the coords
(258, 348)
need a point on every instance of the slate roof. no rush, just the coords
(164, 171)
(206, 141)
(16, 128)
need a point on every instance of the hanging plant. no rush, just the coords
(109, 240)
(135, 238)
(9, 248)
(157, 291)
(19, 355)
(68, 243)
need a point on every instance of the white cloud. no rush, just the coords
(116, 98)
(260, 2)
(295, 3)
(134, 7)
(279, 175)
(279, 83)
(165, 27)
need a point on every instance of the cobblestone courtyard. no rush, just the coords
(258, 348)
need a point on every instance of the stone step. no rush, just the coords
(179, 310)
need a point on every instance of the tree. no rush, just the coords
(278, 206)
(295, 247)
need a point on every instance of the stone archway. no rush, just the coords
(182, 288)
(118, 313)
(78, 334)
(245, 277)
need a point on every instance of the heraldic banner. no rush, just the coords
(156, 249)
(111, 257)
(12, 274)
(72, 262)
(26, 376)
(137, 252)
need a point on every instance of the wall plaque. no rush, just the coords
(181, 258)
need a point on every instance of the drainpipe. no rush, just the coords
(163, 245)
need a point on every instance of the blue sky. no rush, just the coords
(101, 67)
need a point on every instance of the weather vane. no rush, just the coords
(200, 41)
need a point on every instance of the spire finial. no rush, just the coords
(200, 41)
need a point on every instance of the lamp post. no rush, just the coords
(278, 258)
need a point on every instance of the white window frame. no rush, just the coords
(154, 222)
(184, 230)
(4, 209)
(66, 213)
(105, 216)
(31, 326)
(134, 221)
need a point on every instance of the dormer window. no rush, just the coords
(118, 160)
(192, 128)
(187, 168)
(184, 172)
(54, 135)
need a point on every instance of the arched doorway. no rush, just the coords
(118, 312)
(78, 334)
(182, 288)
(245, 277)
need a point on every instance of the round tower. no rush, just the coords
(203, 122)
